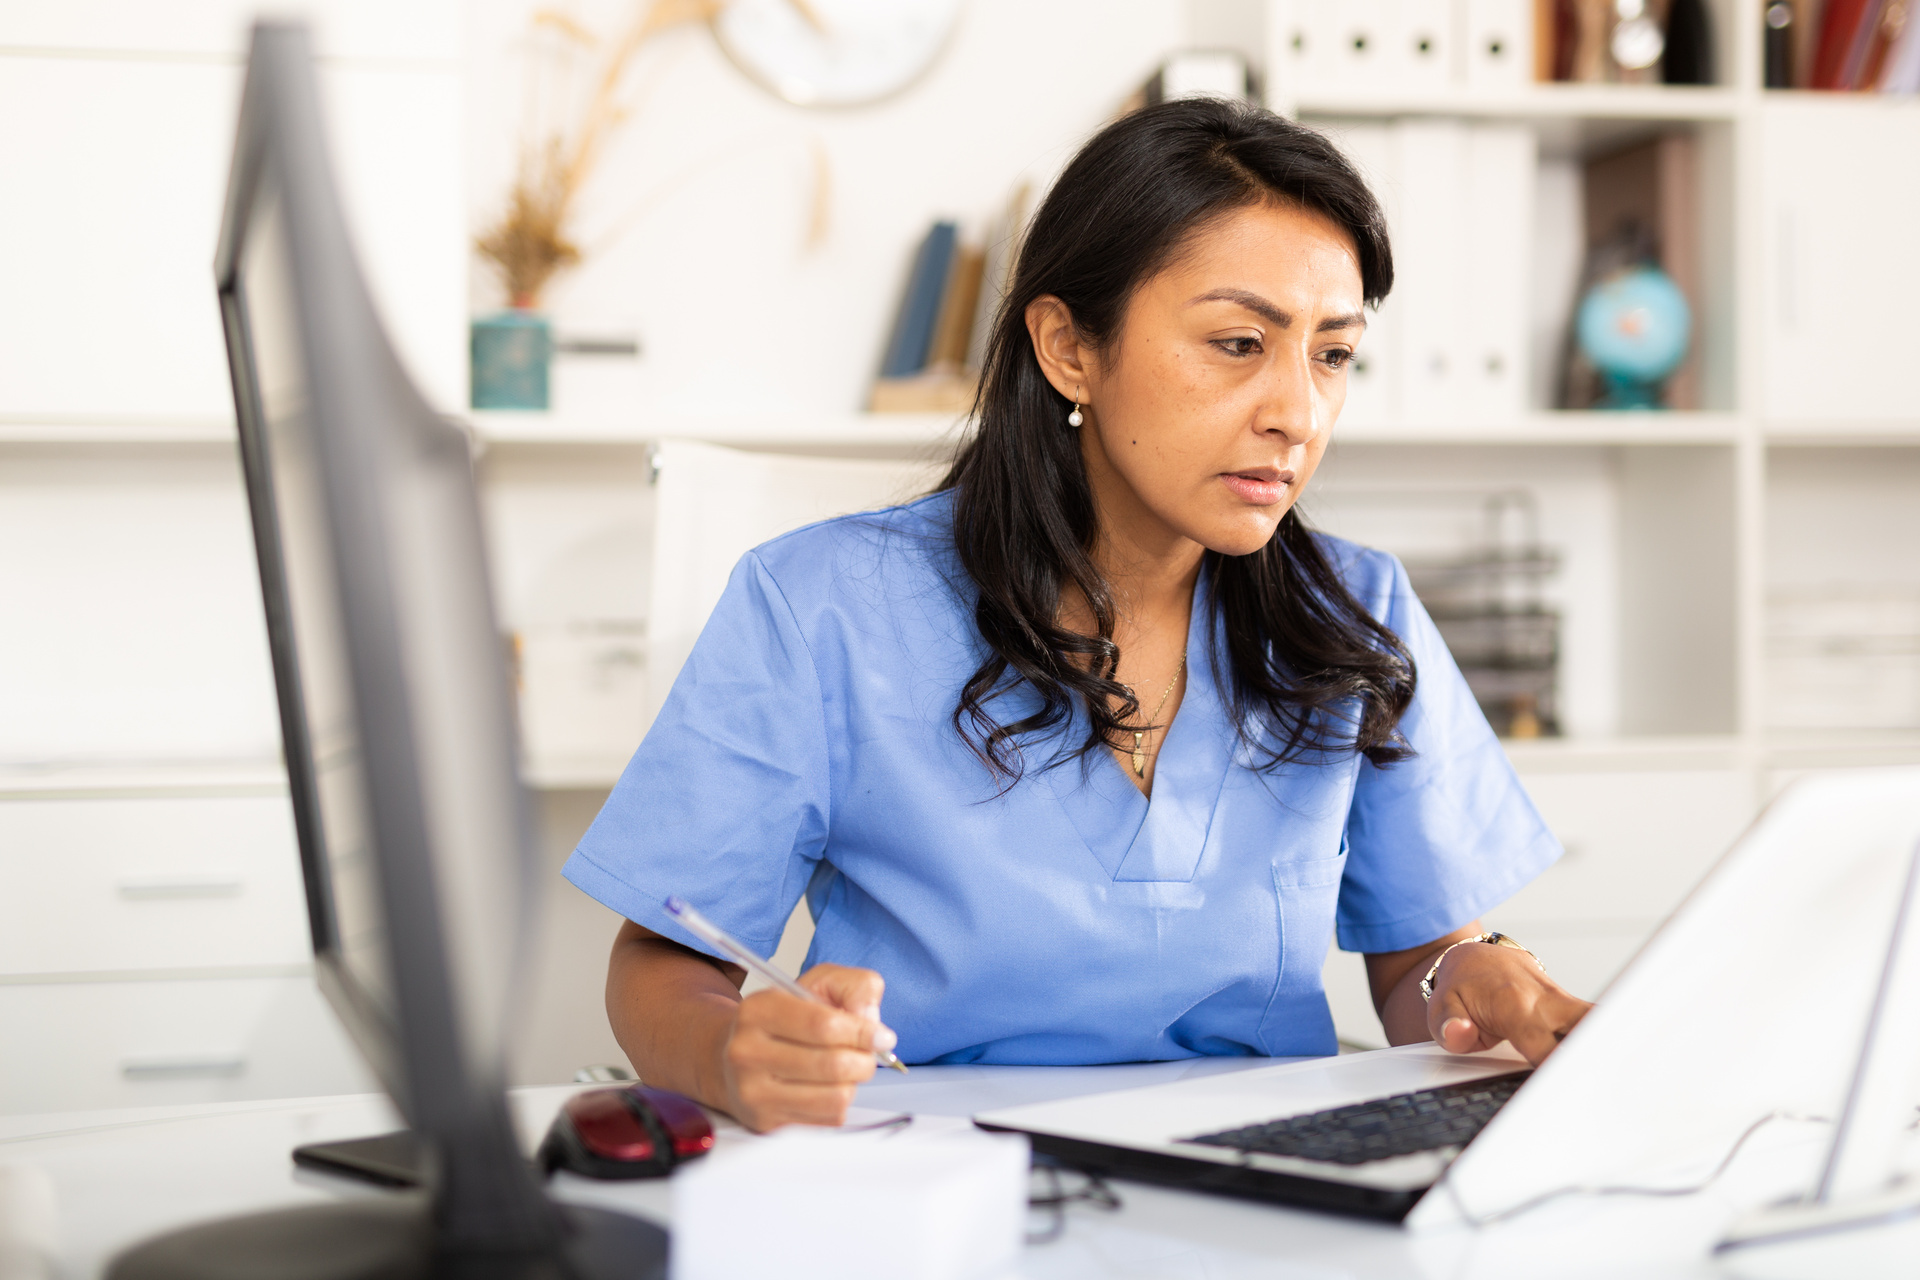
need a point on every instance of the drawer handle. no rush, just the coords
(180, 887)
(176, 1066)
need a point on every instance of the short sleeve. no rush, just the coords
(1439, 839)
(726, 803)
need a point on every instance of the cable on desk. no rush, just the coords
(1095, 1192)
(1477, 1221)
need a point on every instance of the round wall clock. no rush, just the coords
(834, 53)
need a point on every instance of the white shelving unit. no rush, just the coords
(1806, 473)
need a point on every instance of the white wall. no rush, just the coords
(696, 221)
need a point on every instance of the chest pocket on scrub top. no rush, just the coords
(1297, 1021)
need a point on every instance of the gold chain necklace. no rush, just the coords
(1140, 735)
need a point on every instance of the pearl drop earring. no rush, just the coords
(1075, 418)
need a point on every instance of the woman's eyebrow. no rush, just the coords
(1251, 301)
(1283, 319)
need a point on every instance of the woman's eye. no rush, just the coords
(1339, 358)
(1239, 346)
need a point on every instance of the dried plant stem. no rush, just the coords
(530, 242)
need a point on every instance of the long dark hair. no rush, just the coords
(1311, 673)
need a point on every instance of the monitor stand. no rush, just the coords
(397, 1159)
(388, 1237)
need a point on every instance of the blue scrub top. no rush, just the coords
(808, 746)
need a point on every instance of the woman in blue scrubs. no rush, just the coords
(1090, 755)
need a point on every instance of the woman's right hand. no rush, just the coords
(790, 1061)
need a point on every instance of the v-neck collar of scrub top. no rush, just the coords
(1137, 839)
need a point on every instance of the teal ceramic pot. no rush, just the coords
(512, 354)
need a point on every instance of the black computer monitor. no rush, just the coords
(396, 715)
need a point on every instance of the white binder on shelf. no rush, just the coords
(1497, 43)
(1498, 253)
(1373, 379)
(1430, 160)
(1420, 45)
(1294, 57)
(1355, 43)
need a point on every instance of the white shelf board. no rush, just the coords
(1877, 432)
(771, 428)
(130, 431)
(104, 779)
(927, 430)
(573, 773)
(1535, 101)
(1562, 427)
(1842, 749)
(1626, 754)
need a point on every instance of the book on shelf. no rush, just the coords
(1853, 45)
(1902, 74)
(946, 315)
(919, 313)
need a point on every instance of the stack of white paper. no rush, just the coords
(918, 1204)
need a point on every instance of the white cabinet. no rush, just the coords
(108, 232)
(1840, 307)
(149, 884)
(154, 949)
(78, 1046)
(137, 631)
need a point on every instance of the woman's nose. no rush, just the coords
(1290, 408)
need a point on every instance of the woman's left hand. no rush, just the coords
(1485, 993)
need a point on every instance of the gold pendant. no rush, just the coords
(1139, 755)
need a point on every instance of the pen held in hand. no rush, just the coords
(711, 934)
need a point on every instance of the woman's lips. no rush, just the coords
(1261, 486)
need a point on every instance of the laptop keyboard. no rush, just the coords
(1425, 1120)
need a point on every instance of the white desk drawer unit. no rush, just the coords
(154, 950)
(73, 1046)
(118, 885)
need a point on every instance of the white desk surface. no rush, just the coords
(118, 1176)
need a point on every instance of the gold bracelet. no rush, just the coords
(1497, 939)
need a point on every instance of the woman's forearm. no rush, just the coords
(1394, 977)
(672, 1011)
(1403, 1014)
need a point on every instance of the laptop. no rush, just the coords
(1682, 1055)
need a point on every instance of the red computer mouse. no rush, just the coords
(634, 1132)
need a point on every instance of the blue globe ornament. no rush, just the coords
(1634, 326)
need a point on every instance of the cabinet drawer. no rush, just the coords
(1636, 842)
(74, 1046)
(117, 885)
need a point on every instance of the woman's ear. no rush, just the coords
(1064, 357)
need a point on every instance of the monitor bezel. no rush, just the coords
(370, 430)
